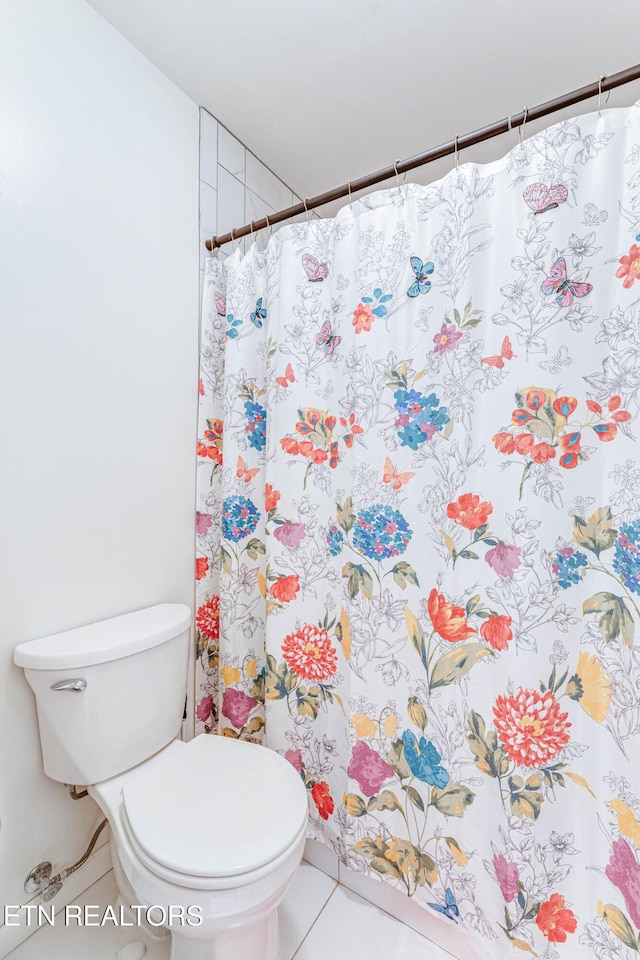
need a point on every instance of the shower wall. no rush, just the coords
(99, 348)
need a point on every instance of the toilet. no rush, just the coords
(209, 833)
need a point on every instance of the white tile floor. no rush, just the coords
(319, 919)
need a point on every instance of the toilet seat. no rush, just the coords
(216, 808)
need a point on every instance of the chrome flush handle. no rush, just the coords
(77, 685)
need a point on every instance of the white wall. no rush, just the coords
(98, 367)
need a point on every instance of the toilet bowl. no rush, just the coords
(206, 835)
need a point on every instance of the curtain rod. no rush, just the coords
(436, 153)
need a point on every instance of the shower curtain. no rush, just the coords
(418, 534)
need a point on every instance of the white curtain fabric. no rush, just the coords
(418, 563)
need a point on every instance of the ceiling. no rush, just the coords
(324, 91)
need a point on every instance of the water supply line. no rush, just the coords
(40, 880)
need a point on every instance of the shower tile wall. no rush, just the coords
(235, 186)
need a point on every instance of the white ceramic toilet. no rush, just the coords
(215, 826)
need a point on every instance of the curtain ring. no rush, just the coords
(522, 126)
(266, 216)
(349, 189)
(306, 208)
(509, 127)
(395, 167)
(455, 149)
(602, 77)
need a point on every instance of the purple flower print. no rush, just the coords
(624, 872)
(507, 876)
(447, 339)
(504, 559)
(203, 522)
(295, 759)
(204, 708)
(368, 768)
(290, 534)
(237, 706)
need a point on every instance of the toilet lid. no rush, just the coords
(216, 807)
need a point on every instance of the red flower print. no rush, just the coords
(469, 512)
(363, 317)
(285, 588)
(271, 498)
(201, 388)
(629, 268)
(496, 630)
(448, 620)
(524, 443)
(322, 799)
(237, 706)
(289, 445)
(295, 759)
(565, 406)
(204, 709)
(535, 399)
(504, 442)
(542, 452)
(555, 920)
(530, 726)
(202, 566)
(309, 653)
(208, 618)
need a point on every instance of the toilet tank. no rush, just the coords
(111, 694)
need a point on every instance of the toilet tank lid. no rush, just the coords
(106, 640)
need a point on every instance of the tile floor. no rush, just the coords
(318, 919)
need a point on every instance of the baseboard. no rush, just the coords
(321, 856)
(96, 866)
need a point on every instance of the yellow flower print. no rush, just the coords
(591, 687)
(390, 725)
(627, 823)
(230, 675)
(363, 725)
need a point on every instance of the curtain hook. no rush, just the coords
(524, 120)
(349, 189)
(509, 127)
(455, 149)
(395, 167)
(306, 208)
(266, 216)
(602, 77)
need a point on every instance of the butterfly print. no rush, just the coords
(593, 216)
(391, 475)
(422, 271)
(259, 314)
(327, 339)
(506, 353)
(233, 324)
(450, 908)
(541, 198)
(314, 270)
(243, 473)
(563, 289)
(556, 363)
(221, 303)
(288, 377)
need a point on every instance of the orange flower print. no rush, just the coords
(542, 452)
(285, 588)
(271, 498)
(323, 799)
(469, 512)
(308, 652)
(555, 920)
(530, 726)
(629, 269)
(208, 618)
(202, 566)
(363, 317)
(448, 620)
(496, 630)
(504, 442)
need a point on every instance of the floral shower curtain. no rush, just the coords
(419, 534)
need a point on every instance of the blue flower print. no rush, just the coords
(569, 566)
(239, 518)
(335, 540)
(381, 532)
(419, 417)
(626, 559)
(256, 428)
(424, 760)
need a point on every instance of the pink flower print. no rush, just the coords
(504, 559)
(204, 709)
(447, 339)
(290, 534)
(237, 706)
(295, 759)
(203, 522)
(507, 876)
(624, 872)
(368, 768)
